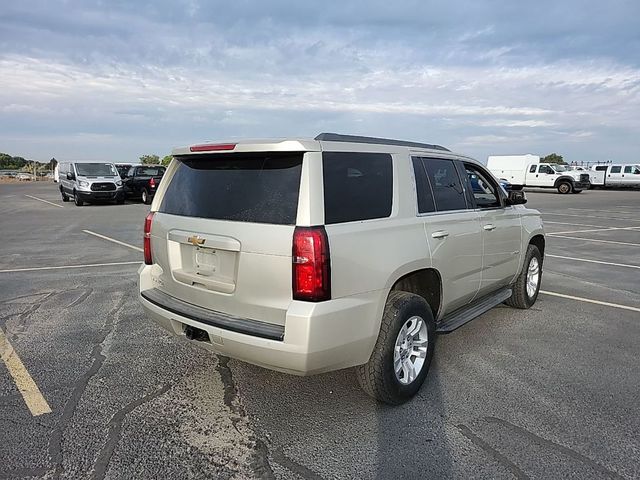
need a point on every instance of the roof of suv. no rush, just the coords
(298, 144)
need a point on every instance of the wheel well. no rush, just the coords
(426, 283)
(560, 180)
(539, 242)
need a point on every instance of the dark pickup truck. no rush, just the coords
(141, 181)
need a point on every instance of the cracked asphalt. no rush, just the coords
(552, 392)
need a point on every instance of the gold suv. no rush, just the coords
(311, 255)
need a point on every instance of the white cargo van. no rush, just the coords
(616, 175)
(527, 171)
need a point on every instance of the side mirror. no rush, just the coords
(516, 197)
(71, 176)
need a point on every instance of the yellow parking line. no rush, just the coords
(28, 389)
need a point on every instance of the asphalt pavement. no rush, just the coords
(551, 392)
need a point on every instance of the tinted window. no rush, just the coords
(445, 183)
(630, 169)
(357, 186)
(258, 188)
(545, 169)
(423, 189)
(485, 191)
(150, 171)
(601, 168)
(616, 169)
(532, 169)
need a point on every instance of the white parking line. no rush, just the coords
(599, 241)
(594, 230)
(30, 392)
(45, 201)
(580, 224)
(63, 267)
(593, 261)
(590, 216)
(603, 211)
(104, 237)
(588, 300)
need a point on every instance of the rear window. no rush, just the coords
(357, 186)
(258, 188)
(150, 171)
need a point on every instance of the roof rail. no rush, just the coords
(336, 137)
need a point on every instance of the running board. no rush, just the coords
(463, 315)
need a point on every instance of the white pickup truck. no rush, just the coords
(616, 175)
(527, 171)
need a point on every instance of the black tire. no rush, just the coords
(377, 377)
(520, 298)
(77, 200)
(146, 199)
(65, 197)
(577, 191)
(564, 188)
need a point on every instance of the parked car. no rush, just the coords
(141, 181)
(25, 177)
(527, 171)
(306, 256)
(90, 182)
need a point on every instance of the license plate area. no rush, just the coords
(210, 265)
(205, 261)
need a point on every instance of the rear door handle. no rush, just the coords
(489, 227)
(440, 234)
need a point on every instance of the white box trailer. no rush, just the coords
(527, 171)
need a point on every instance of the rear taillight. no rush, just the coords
(152, 183)
(147, 239)
(311, 264)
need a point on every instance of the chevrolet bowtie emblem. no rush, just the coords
(196, 240)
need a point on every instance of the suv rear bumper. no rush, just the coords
(317, 337)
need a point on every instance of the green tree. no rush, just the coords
(554, 158)
(149, 159)
(166, 160)
(9, 162)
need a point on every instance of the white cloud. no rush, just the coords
(475, 80)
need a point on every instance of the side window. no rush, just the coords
(131, 172)
(448, 192)
(628, 169)
(357, 186)
(616, 169)
(533, 169)
(485, 191)
(545, 169)
(601, 168)
(426, 202)
(636, 170)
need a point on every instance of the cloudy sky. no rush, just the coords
(112, 80)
